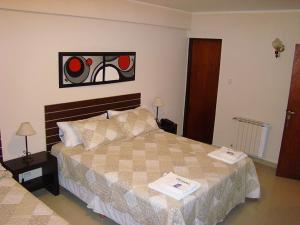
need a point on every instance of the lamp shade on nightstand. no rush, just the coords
(25, 129)
(158, 102)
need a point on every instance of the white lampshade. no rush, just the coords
(158, 102)
(278, 45)
(25, 129)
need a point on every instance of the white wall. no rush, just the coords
(260, 82)
(30, 43)
(33, 32)
(117, 10)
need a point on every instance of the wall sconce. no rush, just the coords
(278, 46)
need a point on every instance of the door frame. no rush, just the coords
(187, 88)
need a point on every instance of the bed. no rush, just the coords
(113, 179)
(18, 206)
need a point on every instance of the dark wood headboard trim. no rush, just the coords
(83, 109)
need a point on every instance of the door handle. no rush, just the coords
(289, 114)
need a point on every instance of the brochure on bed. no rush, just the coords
(175, 186)
(227, 155)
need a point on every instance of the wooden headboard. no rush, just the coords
(83, 109)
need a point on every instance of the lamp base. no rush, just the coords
(157, 120)
(27, 157)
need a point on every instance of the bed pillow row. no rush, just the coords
(68, 135)
(124, 124)
(98, 132)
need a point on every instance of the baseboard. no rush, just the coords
(264, 162)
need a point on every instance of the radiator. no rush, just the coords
(251, 136)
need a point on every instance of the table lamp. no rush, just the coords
(26, 129)
(158, 102)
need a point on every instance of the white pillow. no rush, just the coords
(68, 135)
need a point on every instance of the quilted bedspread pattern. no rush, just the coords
(119, 173)
(20, 207)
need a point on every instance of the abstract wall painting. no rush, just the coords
(93, 68)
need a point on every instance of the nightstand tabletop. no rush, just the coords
(37, 160)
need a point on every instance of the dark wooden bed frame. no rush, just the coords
(84, 109)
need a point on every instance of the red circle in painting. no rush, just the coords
(124, 62)
(74, 65)
(89, 61)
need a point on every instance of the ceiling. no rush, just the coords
(226, 5)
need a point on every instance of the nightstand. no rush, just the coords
(43, 160)
(168, 126)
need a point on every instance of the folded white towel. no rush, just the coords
(227, 155)
(174, 186)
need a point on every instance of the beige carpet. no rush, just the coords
(279, 204)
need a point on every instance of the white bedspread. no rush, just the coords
(119, 174)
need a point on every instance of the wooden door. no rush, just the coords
(289, 158)
(202, 89)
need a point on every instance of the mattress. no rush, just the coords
(18, 206)
(118, 175)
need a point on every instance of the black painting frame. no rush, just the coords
(62, 75)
